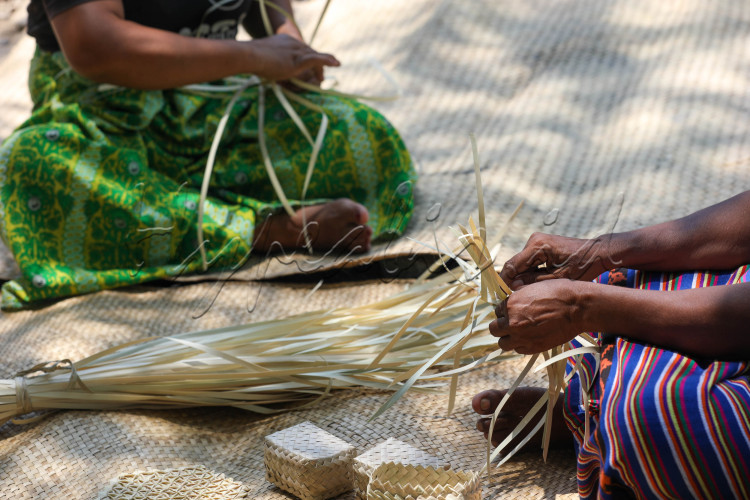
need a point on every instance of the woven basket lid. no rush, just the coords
(187, 483)
(393, 450)
(308, 441)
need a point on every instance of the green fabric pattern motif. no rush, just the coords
(99, 188)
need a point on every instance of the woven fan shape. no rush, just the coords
(309, 462)
(391, 450)
(189, 483)
(392, 481)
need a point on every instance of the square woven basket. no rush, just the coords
(309, 462)
(414, 482)
(391, 450)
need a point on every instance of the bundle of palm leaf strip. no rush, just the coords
(490, 291)
(293, 361)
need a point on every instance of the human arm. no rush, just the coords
(717, 237)
(708, 322)
(280, 24)
(102, 45)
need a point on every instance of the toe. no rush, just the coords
(350, 211)
(365, 238)
(503, 427)
(362, 214)
(359, 239)
(360, 243)
(486, 401)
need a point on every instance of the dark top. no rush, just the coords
(199, 18)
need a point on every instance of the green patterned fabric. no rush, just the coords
(100, 187)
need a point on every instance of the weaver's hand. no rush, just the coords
(540, 316)
(281, 57)
(313, 76)
(547, 256)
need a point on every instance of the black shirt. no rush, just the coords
(199, 18)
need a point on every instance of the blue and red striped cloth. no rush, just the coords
(662, 424)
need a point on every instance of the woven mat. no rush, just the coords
(75, 454)
(580, 107)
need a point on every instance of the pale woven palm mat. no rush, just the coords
(572, 102)
(75, 454)
(578, 107)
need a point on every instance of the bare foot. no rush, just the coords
(518, 405)
(337, 225)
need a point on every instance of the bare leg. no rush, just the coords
(519, 404)
(339, 224)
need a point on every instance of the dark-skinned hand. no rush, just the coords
(548, 256)
(313, 76)
(283, 57)
(540, 316)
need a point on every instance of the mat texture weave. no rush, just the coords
(600, 114)
(75, 454)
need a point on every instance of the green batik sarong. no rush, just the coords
(100, 187)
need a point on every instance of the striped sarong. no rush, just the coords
(662, 424)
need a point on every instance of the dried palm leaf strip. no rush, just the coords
(491, 291)
(260, 365)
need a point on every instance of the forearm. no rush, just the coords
(706, 322)
(717, 237)
(156, 59)
(279, 22)
(101, 45)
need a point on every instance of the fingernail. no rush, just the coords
(484, 404)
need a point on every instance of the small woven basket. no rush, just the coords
(414, 482)
(309, 462)
(394, 451)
